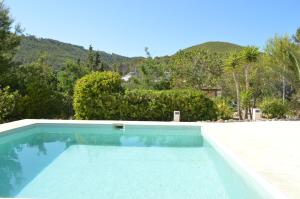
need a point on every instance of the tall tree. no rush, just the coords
(94, 62)
(250, 56)
(97, 63)
(281, 50)
(154, 74)
(232, 64)
(9, 40)
(90, 58)
(196, 69)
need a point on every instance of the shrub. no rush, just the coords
(100, 96)
(224, 110)
(8, 103)
(273, 108)
(37, 84)
(97, 96)
(159, 105)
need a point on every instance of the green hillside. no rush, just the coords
(217, 47)
(58, 52)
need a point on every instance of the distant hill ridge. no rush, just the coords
(217, 47)
(31, 47)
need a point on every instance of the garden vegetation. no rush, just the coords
(43, 78)
(99, 95)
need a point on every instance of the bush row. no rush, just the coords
(274, 108)
(159, 105)
(100, 96)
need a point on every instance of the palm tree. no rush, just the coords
(250, 56)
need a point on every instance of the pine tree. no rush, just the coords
(97, 64)
(9, 40)
(90, 59)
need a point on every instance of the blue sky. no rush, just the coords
(127, 26)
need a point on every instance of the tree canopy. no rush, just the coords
(9, 40)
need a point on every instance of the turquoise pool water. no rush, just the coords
(100, 161)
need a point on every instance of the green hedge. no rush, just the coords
(94, 99)
(159, 105)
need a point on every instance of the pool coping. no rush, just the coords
(233, 158)
(235, 161)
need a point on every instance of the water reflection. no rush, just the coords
(10, 171)
(21, 159)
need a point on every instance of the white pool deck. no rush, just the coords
(270, 150)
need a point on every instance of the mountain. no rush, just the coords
(217, 47)
(58, 52)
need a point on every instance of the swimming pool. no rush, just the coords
(101, 161)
